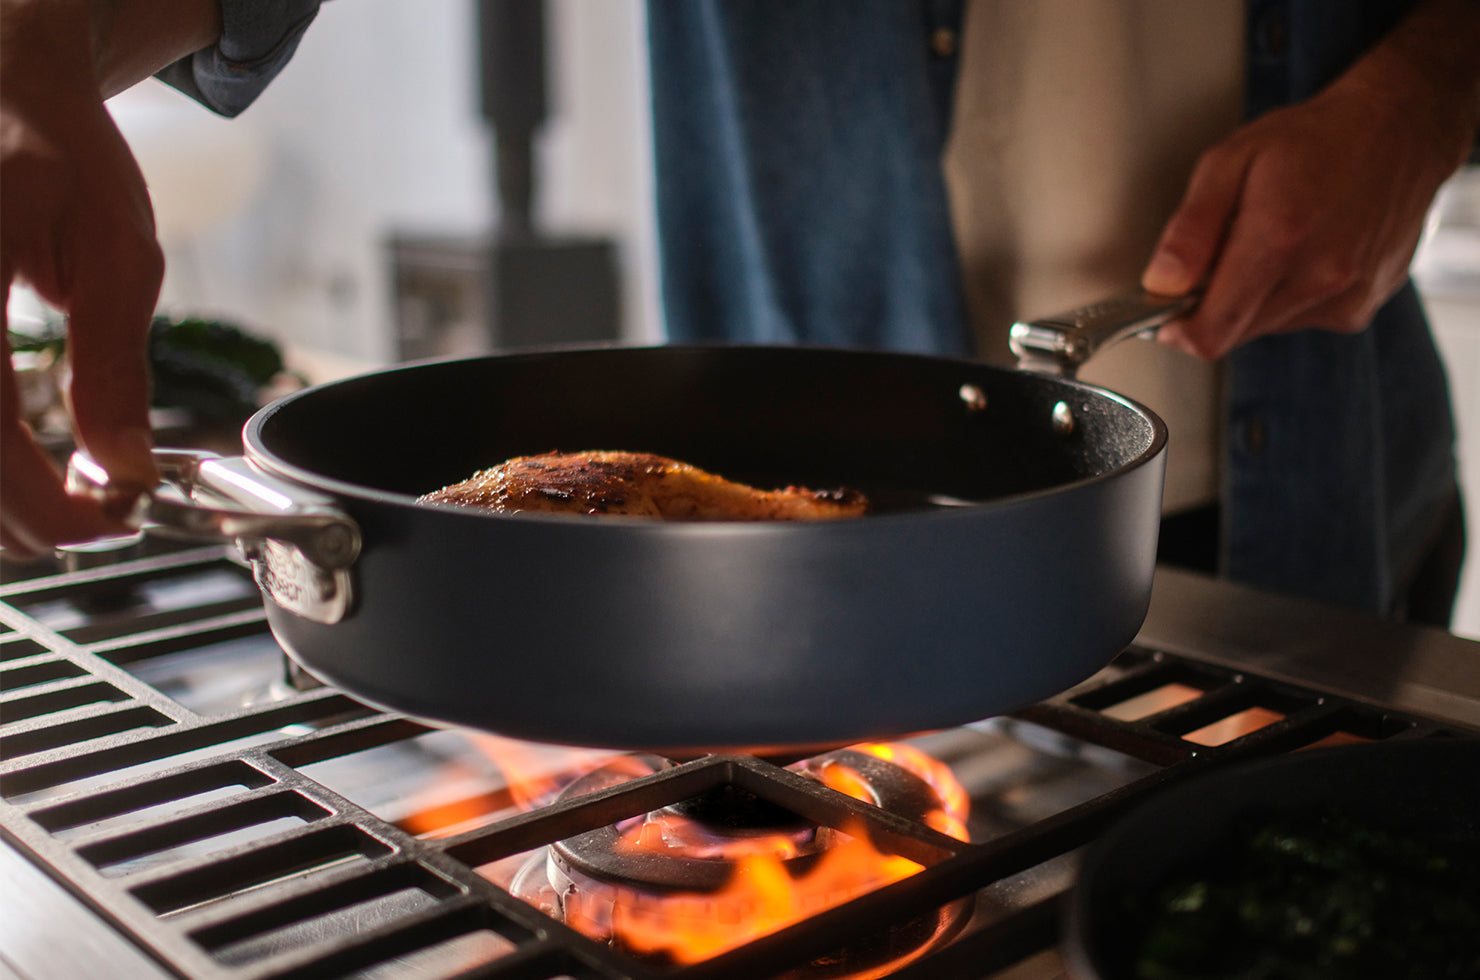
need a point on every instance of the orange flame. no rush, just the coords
(535, 773)
(955, 805)
(762, 894)
(761, 897)
(532, 776)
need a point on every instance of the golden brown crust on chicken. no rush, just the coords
(639, 485)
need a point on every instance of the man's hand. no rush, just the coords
(1310, 215)
(77, 227)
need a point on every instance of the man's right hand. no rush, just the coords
(1309, 215)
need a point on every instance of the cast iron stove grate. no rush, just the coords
(154, 761)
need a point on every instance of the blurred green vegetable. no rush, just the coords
(1321, 897)
(215, 370)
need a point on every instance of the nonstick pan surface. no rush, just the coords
(1010, 553)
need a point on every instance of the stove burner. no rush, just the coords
(675, 870)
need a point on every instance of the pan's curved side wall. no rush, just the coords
(737, 636)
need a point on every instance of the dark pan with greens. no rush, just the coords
(1356, 862)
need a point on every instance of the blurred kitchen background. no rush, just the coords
(350, 210)
(353, 213)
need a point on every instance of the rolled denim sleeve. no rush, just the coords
(258, 37)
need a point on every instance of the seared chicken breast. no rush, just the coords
(639, 485)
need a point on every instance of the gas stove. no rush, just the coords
(177, 800)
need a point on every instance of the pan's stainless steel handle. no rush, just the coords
(1060, 344)
(300, 545)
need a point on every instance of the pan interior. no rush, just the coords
(910, 431)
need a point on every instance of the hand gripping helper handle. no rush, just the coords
(300, 545)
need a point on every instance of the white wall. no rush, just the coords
(374, 128)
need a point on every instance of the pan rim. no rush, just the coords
(259, 454)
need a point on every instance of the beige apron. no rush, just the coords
(1077, 123)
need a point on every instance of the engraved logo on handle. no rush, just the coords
(296, 584)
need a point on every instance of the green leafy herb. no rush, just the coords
(1321, 897)
(216, 370)
(213, 369)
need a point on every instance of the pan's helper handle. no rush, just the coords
(1060, 344)
(300, 545)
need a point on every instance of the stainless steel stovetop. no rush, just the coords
(173, 805)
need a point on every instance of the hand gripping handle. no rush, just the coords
(301, 546)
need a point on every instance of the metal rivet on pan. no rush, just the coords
(974, 397)
(1063, 419)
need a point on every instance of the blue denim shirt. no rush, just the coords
(800, 199)
(258, 37)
